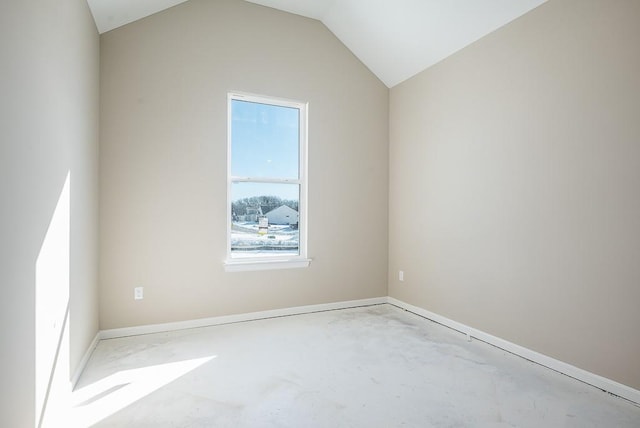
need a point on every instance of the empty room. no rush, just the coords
(320, 213)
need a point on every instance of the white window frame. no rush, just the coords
(268, 262)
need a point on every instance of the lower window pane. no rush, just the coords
(264, 219)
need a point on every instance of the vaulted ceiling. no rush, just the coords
(395, 39)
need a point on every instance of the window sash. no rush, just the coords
(265, 180)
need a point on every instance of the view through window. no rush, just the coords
(266, 187)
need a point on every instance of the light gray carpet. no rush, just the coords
(375, 366)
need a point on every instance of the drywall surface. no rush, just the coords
(163, 159)
(514, 173)
(48, 164)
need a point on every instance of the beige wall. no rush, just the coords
(48, 129)
(164, 84)
(514, 172)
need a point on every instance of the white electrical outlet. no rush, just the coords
(138, 293)
(401, 275)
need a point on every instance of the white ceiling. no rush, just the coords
(110, 14)
(396, 39)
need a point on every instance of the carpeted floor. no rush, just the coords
(376, 366)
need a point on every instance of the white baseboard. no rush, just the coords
(251, 316)
(595, 380)
(85, 359)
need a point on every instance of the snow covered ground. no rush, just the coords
(246, 241)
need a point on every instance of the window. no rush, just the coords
(266, 183)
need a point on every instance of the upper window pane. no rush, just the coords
(264, 140)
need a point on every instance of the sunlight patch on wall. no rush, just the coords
(52, 302)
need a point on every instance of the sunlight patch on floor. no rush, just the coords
(101, 399)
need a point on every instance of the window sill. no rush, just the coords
(252, 265)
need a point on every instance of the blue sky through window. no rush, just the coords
(264, 140)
